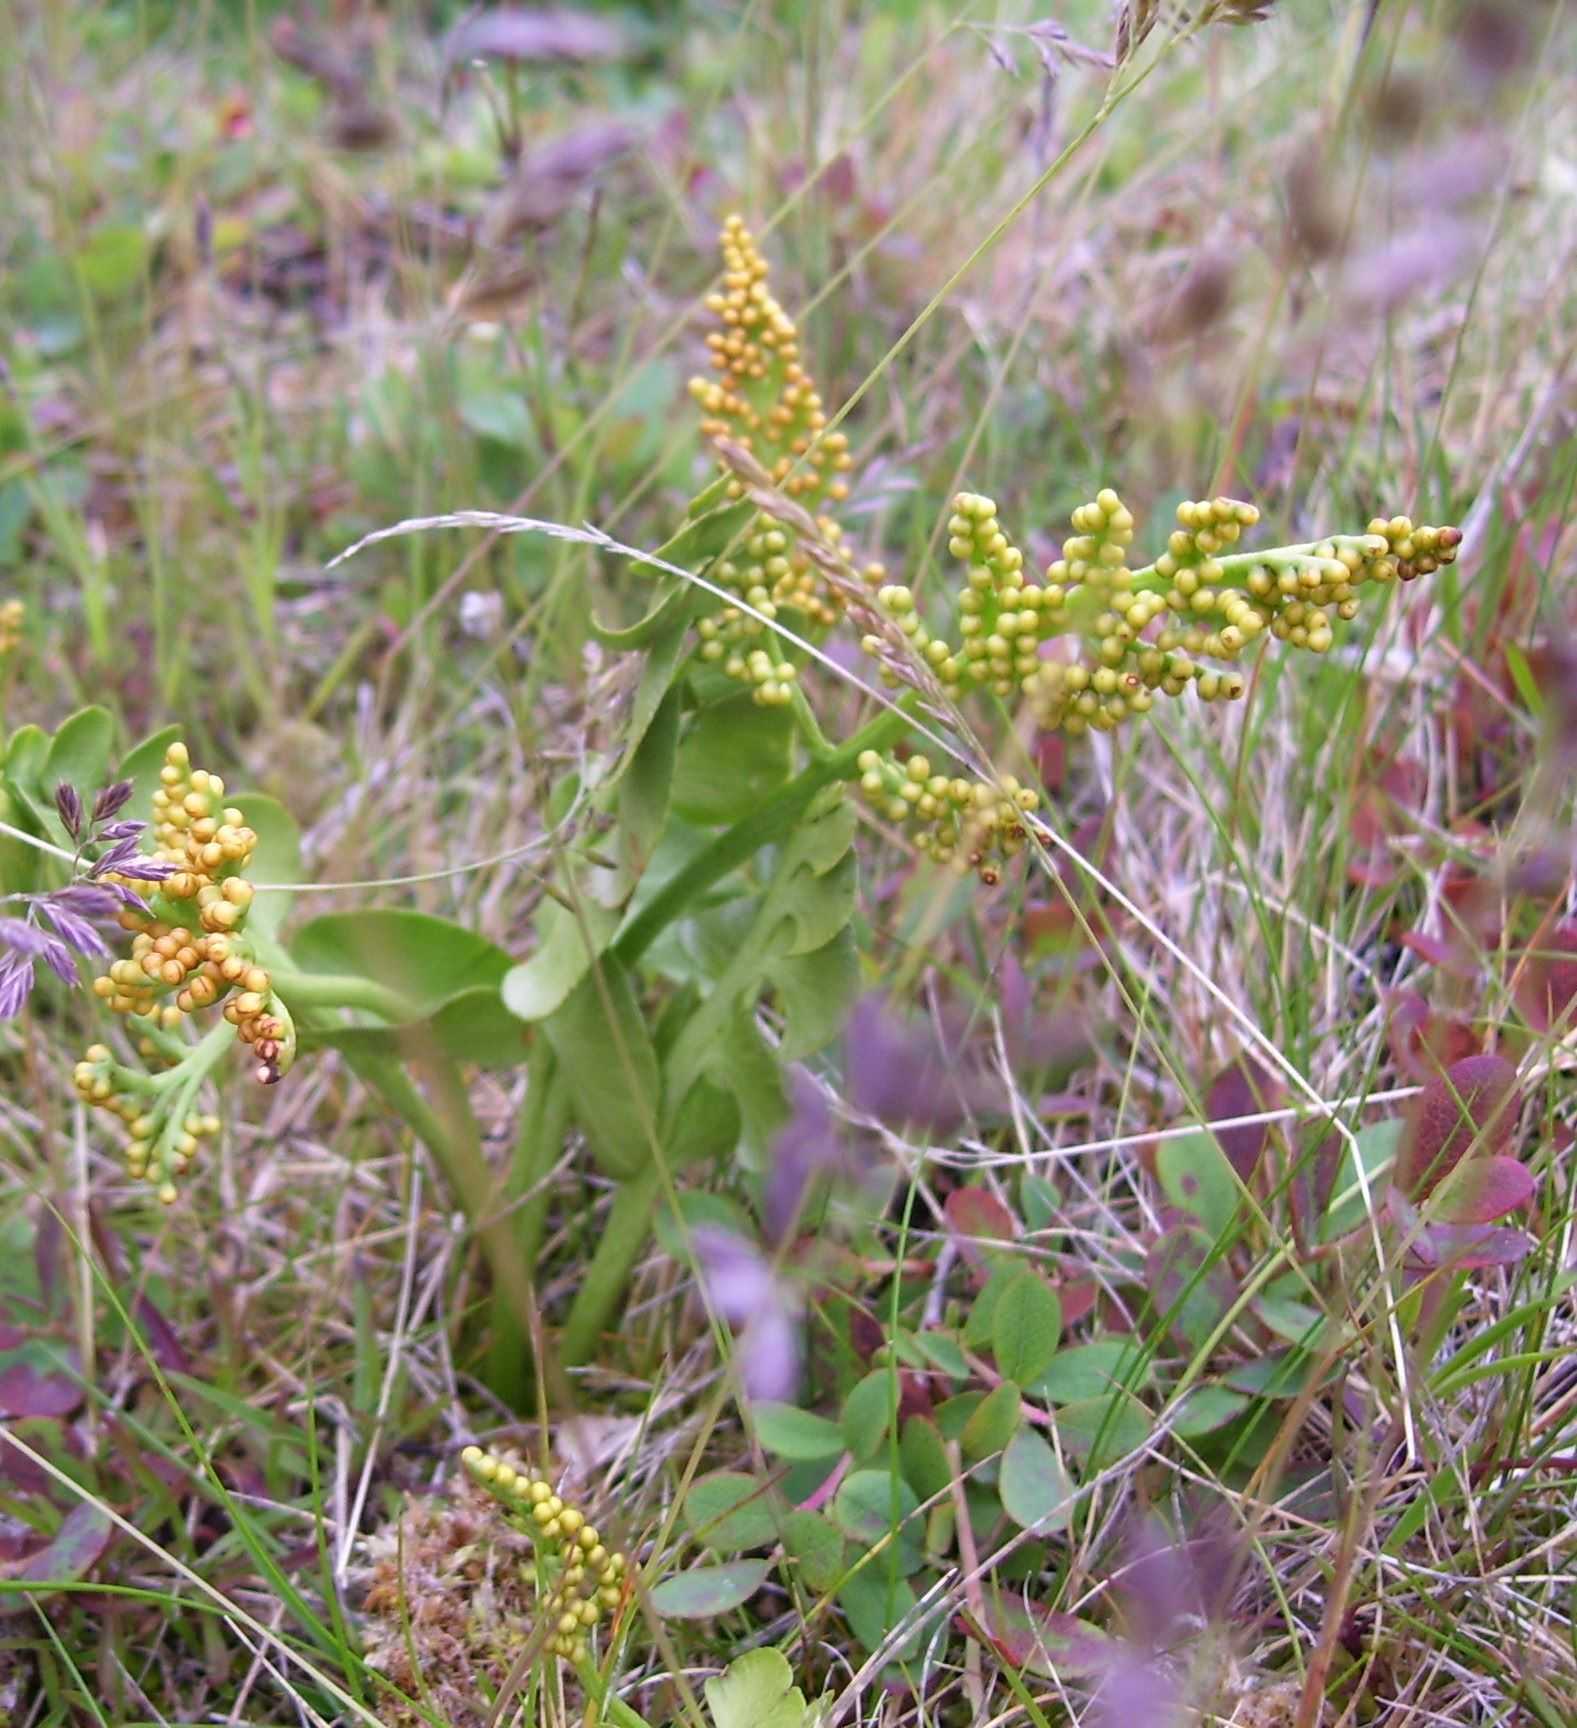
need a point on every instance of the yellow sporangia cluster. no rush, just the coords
(967, 824)
(1139, 633)
(763, 400)
(589, 1577)
(13, 615)
(161, 1147)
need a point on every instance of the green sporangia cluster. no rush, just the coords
(189, 952)
(586, 1577)
(1086, 646)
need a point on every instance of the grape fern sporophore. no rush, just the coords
(1086, 648)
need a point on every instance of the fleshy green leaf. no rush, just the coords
(924, 1457)
(1102, 1430)
(707, 1590)
(868, 1412)
(816, 992)
(79, 754)
(872, 1506)
(141, 765)
(1089, 1370)
(646, 786)
(609, 1066)
(428, 961)
(875, 1604)
(734, 755)
(1377, 1146)
(277, 857)
(567, 943)
(1207, 1408)
(1035, 1490)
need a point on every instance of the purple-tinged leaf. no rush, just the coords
(1188, 1282)
(1467, 1247)
(530, 33)
(34, 1382)
(1483, 1189)
(1242, 1088)
(1547, 991)
(163, 1345)
(974, 1214)
(1041, 1640)
(1471, 1109)
(76, 1547)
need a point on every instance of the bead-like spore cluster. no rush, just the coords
(763, 400)
(189, 952)
(586, 1578)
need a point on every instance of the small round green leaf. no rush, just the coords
(817, 1544)
(1026, 1326)
(1035, 1490)
(729, 1511)
(993, 1423)
(707, 1590)
(868, 1412)
(799, 1435)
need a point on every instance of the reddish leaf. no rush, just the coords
(35, 1382)
(1433, 950)
(1547, 989)
(76, 1546)
(159, 1335)
(1185, 1285)
(972, 1213)
(1077, 1296)
(1242, 1088)
(1039, 1640)
(1484, 1189)
(1422, 1041)
(1471, 1108)
(1467, 1247)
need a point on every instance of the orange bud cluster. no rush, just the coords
(589, 1579)
(189, 951)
